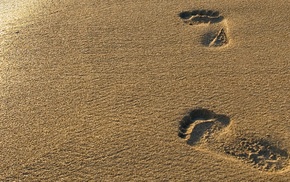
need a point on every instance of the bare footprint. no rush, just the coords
(258, 152)
(216, 36)
(196, 17)
(202, 126)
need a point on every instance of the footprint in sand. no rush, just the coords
(214, 37)
(201, 125)
(260, 153)
(196, 17)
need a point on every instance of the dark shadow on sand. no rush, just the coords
(200, 128)
(206, 19)
(198, 131)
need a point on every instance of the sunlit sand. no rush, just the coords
(144, 91)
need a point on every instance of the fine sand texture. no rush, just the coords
(144, 90)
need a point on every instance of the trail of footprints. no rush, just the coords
(212, 38)
(201, 125)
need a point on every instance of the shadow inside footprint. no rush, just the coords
(223, 119)
(206, 119)
(185, 15)
(201, 16)
(197, 17)
(208, 38)
(187, 120)
(206, 19)
(198, 132)
(215, 39)
(200, 113)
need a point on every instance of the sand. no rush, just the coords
(144, 91)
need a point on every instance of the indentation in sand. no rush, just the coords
(203, 126)
(200, 124)
(196, 17)
(258, 152)
(216, 36)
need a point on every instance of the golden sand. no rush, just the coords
(144, 90)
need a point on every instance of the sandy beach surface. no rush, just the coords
(144, 90)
